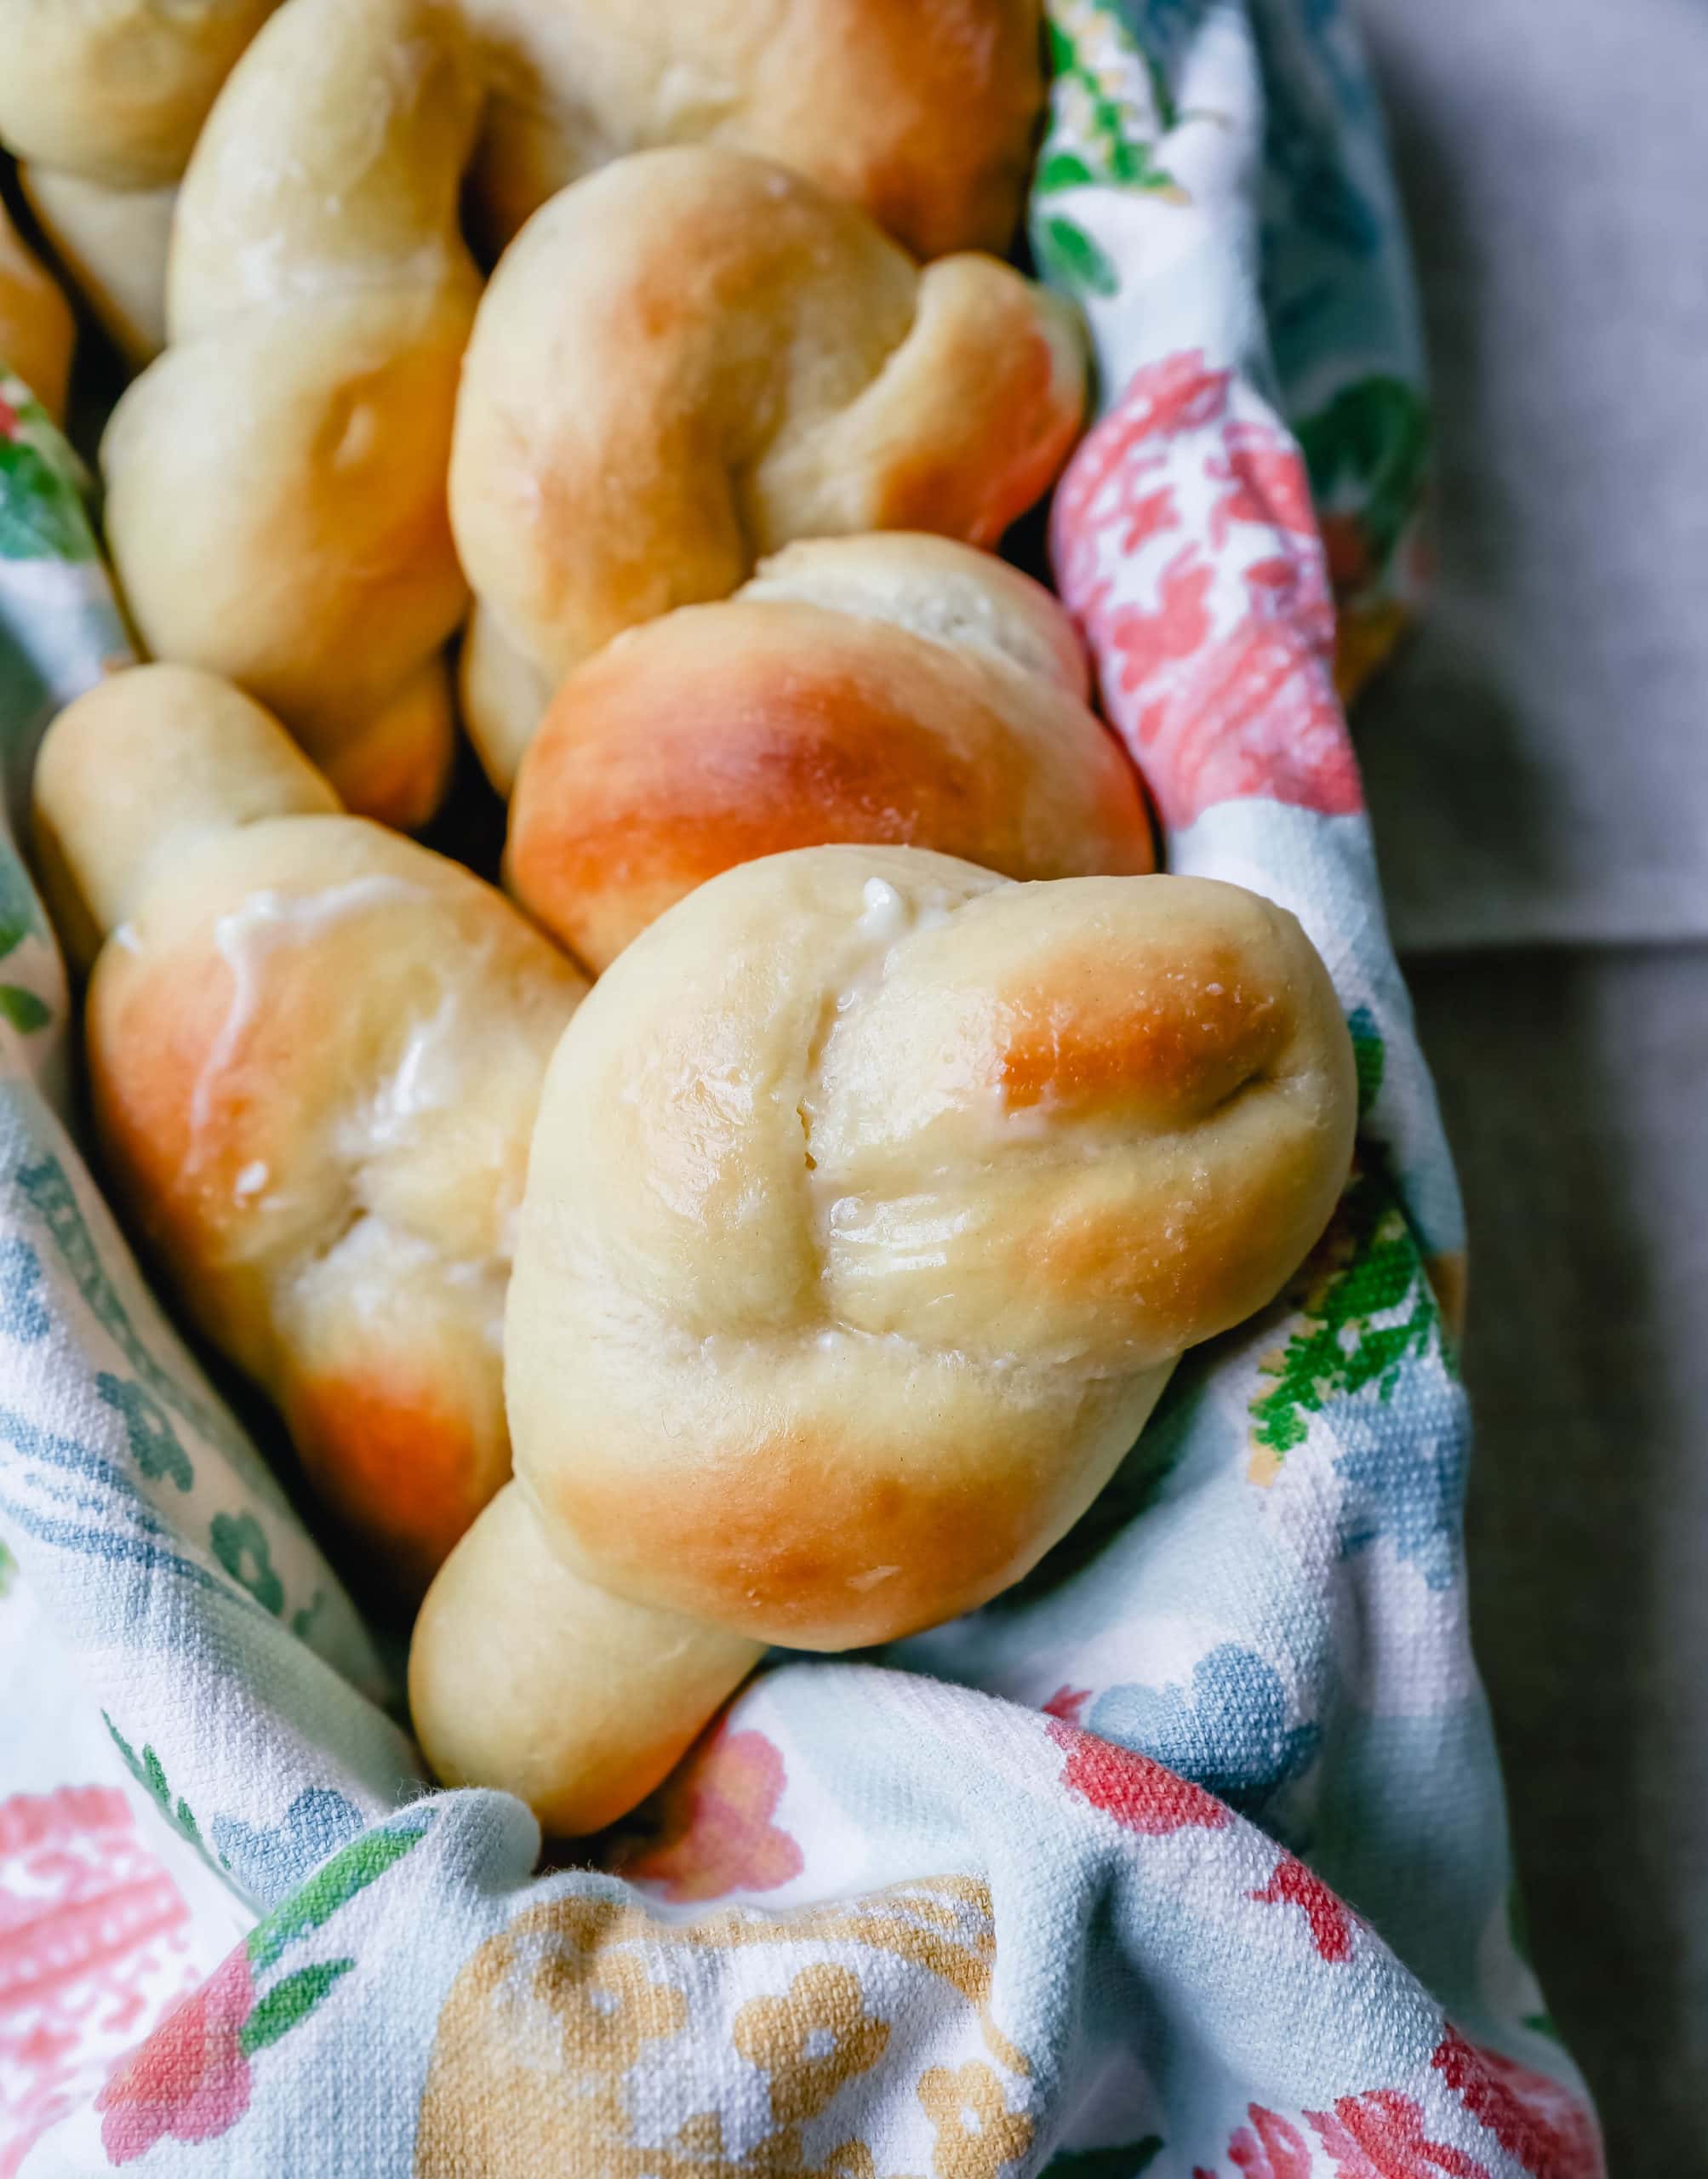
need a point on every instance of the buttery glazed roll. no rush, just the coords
(102, 101)
(872, 1198)
(315, 1050)
(276, 481)
(896, 688)
(36, 332)
(694, 358)
(922, 112)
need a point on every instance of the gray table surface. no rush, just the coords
(1538, 769)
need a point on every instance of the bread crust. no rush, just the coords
(891, 688)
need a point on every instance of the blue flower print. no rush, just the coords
(22, 1316)
(1405, 1481)
(153, 1442)
(1228, 1731)
(269, 1860)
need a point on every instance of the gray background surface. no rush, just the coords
(1537, 767)
(1544, 746)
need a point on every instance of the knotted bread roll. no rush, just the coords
(924, 113)
(872, 1198)
(694, 357)
(276, 481)
(896, 688)
(102, 100)
(315, 1050)
(37, 331)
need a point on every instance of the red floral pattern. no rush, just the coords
(93, 1948)
(715, 1833)
(1186, 548)
(1292, 1884)
(1380, 2135)
(1545, 2126)
(1541, 2122)
(1377, 2135)
(191, 2079)
(1067, 1703)
(1269, 2148)
(1141, 1795)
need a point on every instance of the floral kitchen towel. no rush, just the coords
(1187, 1856)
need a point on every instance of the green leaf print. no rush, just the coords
(41, 516)
(1369, 1057)
(1075, 261)
(47, 1187)
(20, 916)
(289, 2001)
(153, 1442)
(149, 1774)
(348, 1873)
(302, 1621)
(24, 1009)
(1110, 104)
(1062, 170)
(1339, 1347)
(1367, 1306)
(240, 1545)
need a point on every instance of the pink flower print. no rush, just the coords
(1187, 550)
(1147, 642)
(1380, 2135)
(9, 419)
(93, 1951)
(1113, 490)
(191, 2079)
(1253, 714)
(715, 1833)
(1545, 2125)
(1292, 1884)
(1269, 480)
(1142, 1796)
(1067, 1703)
(1175, 394)
(1269, 2148)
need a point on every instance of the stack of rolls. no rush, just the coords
(806, 1280)
(924, 115)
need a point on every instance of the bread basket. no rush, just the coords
(1188, 1855)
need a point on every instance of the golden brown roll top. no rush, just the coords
(37, 331)
(896, 688)
(921, 112)
(277, 481)
(872, 1190)
(694, 358)
(873, 1197)
(315, 1050)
